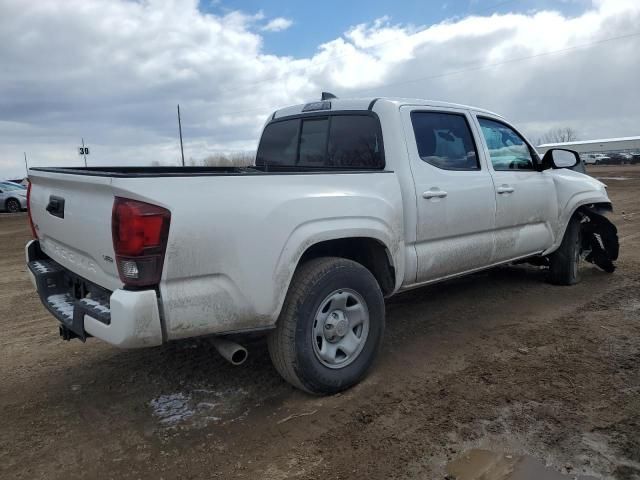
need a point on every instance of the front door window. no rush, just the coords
(507, 149)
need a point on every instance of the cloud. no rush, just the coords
(277, 25)
(113, 71)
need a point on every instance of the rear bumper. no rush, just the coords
(127, 319)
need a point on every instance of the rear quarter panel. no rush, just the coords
(234, 241)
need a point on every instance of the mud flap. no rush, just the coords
(600, 240)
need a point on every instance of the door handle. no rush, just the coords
(434, 194)
(505, 189)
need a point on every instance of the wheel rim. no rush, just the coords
(13, 206)
(340, 328)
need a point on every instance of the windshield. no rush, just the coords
(8, 186)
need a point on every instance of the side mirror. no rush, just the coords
(560, 158)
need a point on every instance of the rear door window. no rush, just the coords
(444, 140)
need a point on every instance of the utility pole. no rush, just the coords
(180, 130)
(26, 165)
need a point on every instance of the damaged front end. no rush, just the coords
(598, 239)
(600, 244)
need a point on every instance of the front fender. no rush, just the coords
(574, 190)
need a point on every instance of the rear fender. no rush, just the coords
(311, 233)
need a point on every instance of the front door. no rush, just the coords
(525, 197)
(454, 190)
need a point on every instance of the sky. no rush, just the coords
(113, 71)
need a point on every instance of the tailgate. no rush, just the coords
(72, 216)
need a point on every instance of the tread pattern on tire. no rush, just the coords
(560, 261)
(281, 341)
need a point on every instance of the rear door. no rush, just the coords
(526, 202)
(72, 217)
(454, 190)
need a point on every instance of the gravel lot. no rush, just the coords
(499, 361)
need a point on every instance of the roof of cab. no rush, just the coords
(367, 103)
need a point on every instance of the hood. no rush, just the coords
(571, 176)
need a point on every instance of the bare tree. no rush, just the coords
(559, 135)
(220, 159)
(234, 159)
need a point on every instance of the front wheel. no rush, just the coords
(330, 328)
(564, 263)
(13, 206)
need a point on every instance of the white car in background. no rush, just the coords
(13, 197)
(596, 159)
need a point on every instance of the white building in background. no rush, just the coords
(606, 145)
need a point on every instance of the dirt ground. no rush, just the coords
(499, 361)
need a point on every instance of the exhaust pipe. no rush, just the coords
(233, 352)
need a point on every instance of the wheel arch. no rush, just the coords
(601, 207)
(367, 251)
(343, 237)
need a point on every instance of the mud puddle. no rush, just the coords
(200, 407)
(477, 464)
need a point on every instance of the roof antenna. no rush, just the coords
(327, 96)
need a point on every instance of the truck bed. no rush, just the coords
(235, 237)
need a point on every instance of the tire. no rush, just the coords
(564, 263)
(299, 348)
(13, 205)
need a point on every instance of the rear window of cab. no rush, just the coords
(326, 142)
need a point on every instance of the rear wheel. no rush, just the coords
(330, 328)
(564, 263)
(13, 206)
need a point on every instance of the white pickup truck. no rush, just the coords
(349, 202)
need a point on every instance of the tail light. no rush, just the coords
(33, 229)
(140, 232)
